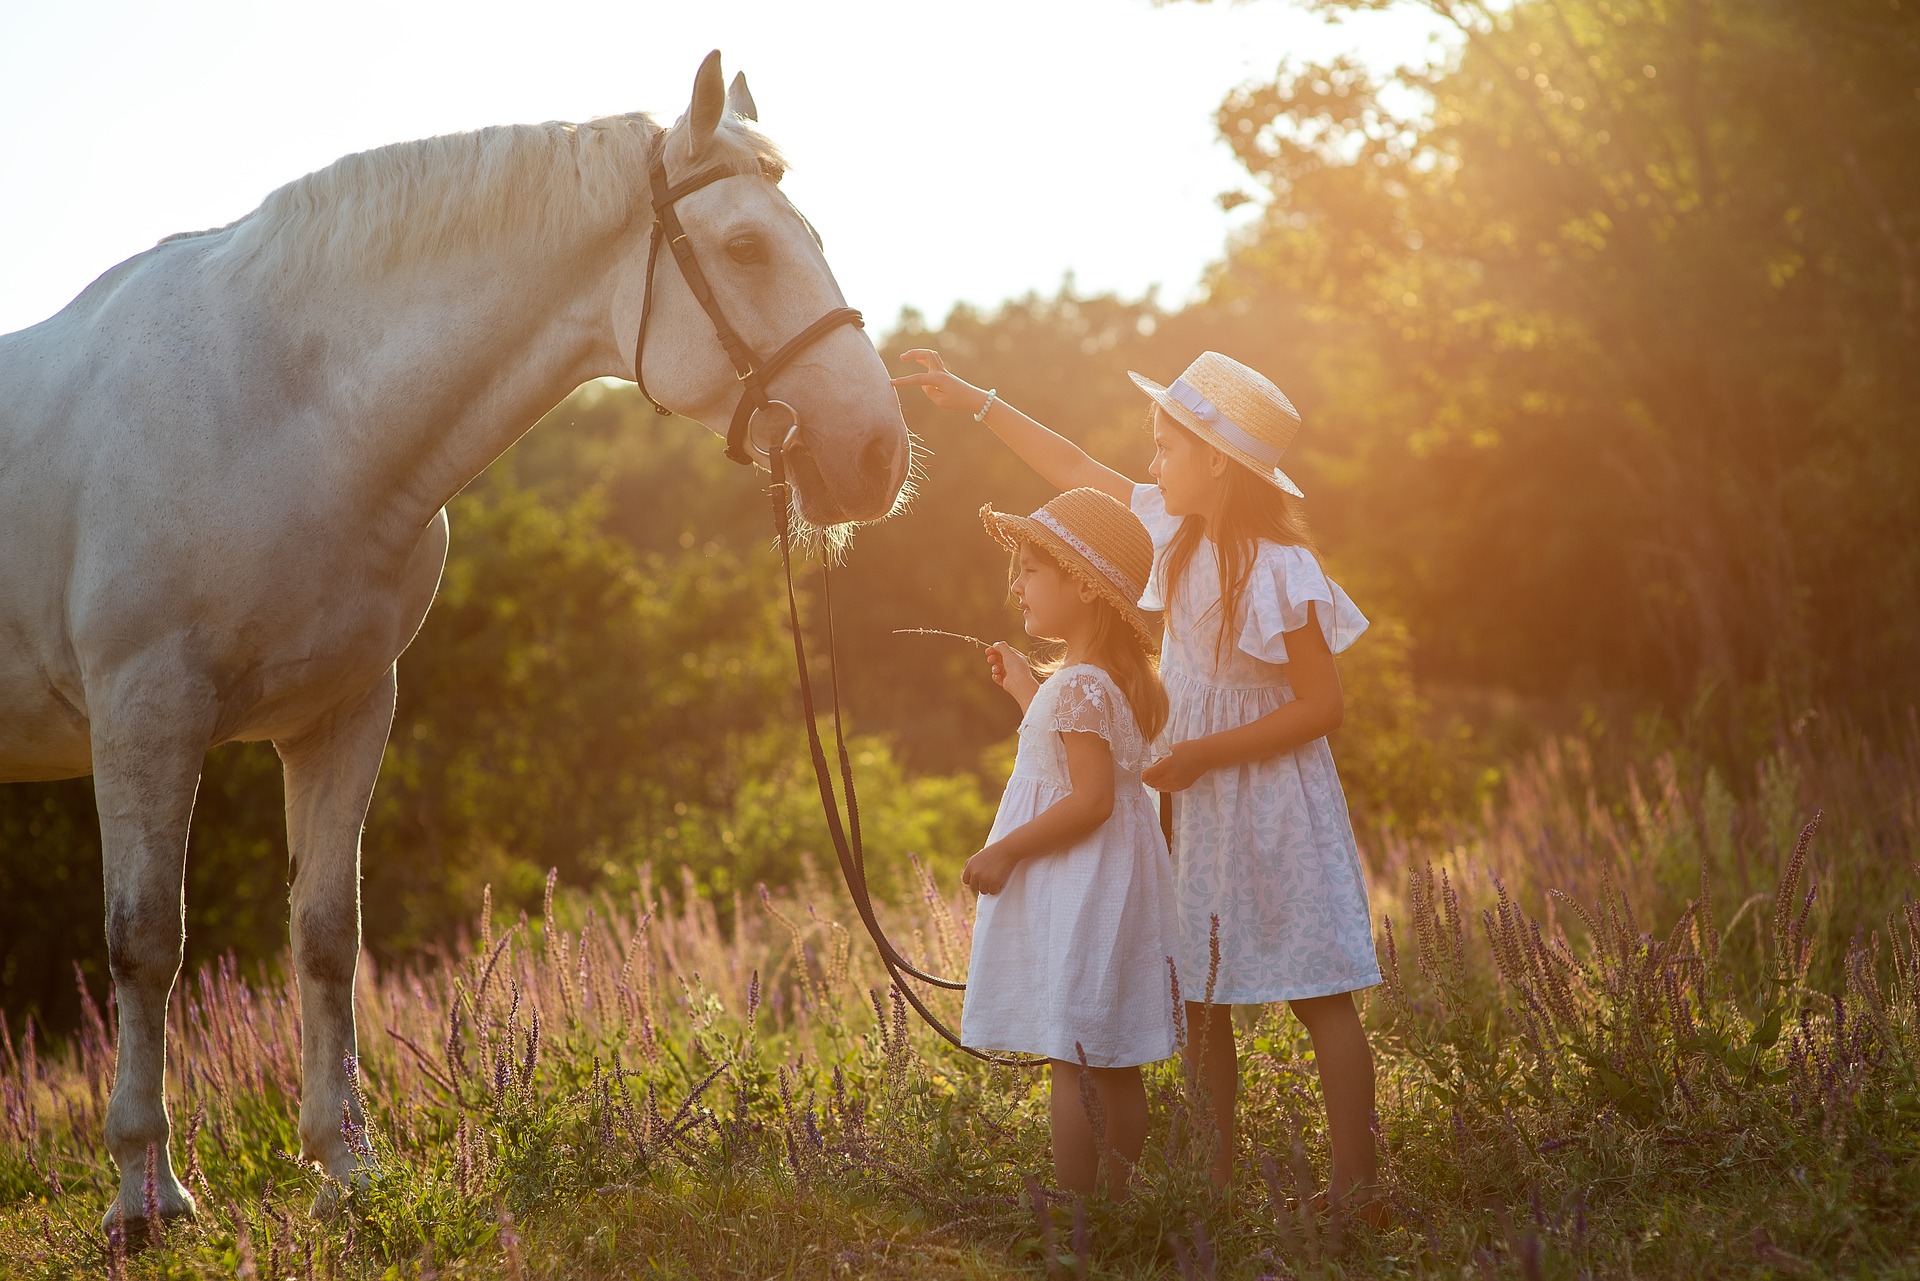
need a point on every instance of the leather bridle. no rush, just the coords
(742, 447)
(752, 372)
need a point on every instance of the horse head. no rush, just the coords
(749, 278)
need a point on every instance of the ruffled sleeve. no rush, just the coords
(1284, 581)
(1150, 505)
(1084, 700)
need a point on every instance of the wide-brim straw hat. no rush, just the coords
(1236, 409)
(1095, 539)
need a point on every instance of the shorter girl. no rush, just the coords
(1075, 932)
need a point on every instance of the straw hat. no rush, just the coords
(1098, 541)
(1233, 408)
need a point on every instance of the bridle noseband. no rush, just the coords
(752, 372)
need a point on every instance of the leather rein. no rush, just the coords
(743, 447)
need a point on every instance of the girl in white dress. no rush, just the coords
(1261, 833)
(1075, 932)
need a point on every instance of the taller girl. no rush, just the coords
(1261, 833)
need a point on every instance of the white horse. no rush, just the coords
(223, 471)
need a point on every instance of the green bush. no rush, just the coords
(773, 832)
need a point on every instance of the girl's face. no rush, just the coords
(1189, 471)
(1053, 603)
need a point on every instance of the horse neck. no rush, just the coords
(439, 369)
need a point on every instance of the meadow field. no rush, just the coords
(1603, 328)
(1674, 1034)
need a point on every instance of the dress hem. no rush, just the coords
(1296, 993)
(1093, 1060)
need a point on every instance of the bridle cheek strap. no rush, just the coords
(751, 372)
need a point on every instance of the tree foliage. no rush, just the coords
(1611, 329)
(1606, 332)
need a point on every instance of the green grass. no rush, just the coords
(1699, 1074)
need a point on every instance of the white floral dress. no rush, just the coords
(1266, 845)
(1073, 951)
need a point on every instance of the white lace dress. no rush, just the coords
(1266, 845)
(1074, 950)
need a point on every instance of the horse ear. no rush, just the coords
(709, 100)
(739, 101)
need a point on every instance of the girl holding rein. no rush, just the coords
(1074, 935)
(1261, 833)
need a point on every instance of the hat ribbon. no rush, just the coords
(1209, 413)
(1118, 580)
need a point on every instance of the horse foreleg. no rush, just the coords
(330, 771)
(147, 751)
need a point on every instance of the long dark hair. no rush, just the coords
(1246, 511)
(1117, 650)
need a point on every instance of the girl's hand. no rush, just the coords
(988, 871)
(947, 391)
(1008, 667)
(1179, 770)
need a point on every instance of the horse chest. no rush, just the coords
(326, 624)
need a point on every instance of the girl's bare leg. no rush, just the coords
(1074, 1162)
(1124, 1096)
(1122, 1099)
(1213, 1077)
(1345, 1063)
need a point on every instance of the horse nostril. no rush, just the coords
(876, 460)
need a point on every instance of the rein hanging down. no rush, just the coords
(742, 447)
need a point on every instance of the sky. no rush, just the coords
(947, 152)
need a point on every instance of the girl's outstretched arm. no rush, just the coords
(1063, 464)
(1073, 816)
(1317, 709)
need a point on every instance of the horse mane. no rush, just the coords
(409, 202)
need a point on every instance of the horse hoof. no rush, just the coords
(136, 1233)
(326, 1202)
(333, 1194)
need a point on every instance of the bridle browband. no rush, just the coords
(742, 448)
(752, 372)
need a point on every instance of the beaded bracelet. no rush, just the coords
(993, 394)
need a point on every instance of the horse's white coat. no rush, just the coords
(223, 471)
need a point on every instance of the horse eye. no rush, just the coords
(746, 249)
